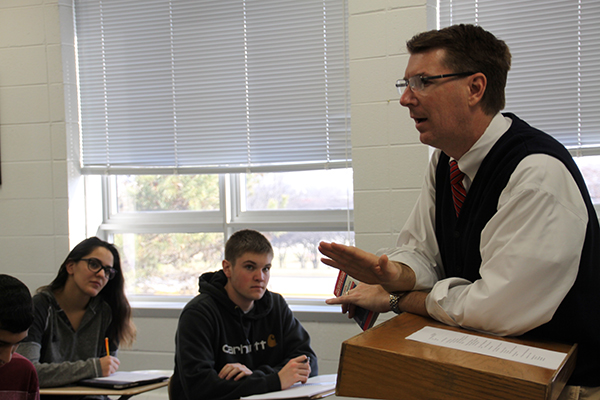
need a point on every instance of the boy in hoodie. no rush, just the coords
(236, 338)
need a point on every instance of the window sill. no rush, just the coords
(306, 310)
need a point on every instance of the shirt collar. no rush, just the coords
(469, 163)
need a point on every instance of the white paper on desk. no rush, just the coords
(315, 385)
(489, 347)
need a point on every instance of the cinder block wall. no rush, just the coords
(34, 205)
(387, 157)
(41, 196)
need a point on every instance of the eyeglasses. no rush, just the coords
(417, 82)
(95, 266)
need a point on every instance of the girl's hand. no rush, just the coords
(109, 365)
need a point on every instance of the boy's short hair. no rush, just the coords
(246, 241)
(16, 306)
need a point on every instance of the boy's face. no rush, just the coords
(247, 280)
(8, 344)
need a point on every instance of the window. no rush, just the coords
(553, 82)
(171, 228)
(208, 117)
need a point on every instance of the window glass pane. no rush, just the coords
(167, 193)
(170, 264)
(297, 270)
(590, 168)
(303, 190)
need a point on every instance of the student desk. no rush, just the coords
(85, 390)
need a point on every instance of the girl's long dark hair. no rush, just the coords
(121, 327)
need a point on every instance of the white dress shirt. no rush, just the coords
(530, 249)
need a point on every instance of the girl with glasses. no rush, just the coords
(76, 312)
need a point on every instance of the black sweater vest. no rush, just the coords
(577, 319)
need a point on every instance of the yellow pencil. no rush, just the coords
(107, 349)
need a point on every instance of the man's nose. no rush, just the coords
(408, 97)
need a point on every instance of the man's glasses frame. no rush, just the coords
(95, 266)
(417, 82)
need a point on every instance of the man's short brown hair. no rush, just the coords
(470, 48)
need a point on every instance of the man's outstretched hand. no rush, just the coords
(367, 267)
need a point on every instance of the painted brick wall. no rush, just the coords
(388, 159)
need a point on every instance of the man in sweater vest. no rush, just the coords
(504, 238)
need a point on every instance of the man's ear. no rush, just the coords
(477, 86)
(227, 268)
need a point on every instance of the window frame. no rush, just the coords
(229, 218)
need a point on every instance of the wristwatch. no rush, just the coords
(394, 299)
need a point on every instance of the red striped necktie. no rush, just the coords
(458, 190)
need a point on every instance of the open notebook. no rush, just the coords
(317, 387)
(126, 379)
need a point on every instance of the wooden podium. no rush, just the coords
(381, 363)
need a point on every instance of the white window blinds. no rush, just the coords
(554, 82)
(194, 86)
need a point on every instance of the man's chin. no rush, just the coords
(426, 138)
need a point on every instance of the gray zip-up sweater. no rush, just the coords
(60, 354)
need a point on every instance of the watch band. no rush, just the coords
(394, 299)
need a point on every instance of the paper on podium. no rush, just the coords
(316, 387)
(489, 347)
